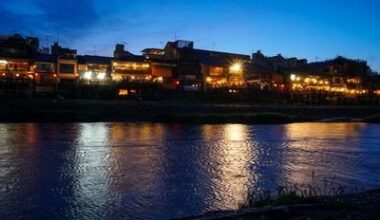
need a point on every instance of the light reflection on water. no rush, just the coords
(159, 171)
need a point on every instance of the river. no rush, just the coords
(162, 171)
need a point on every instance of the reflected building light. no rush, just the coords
(312, 144)
(236, 132)
(230, 157)
(94, 134)
(321, 130)
(93, 158)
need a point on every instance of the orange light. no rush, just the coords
(123, 92)
(36, 74)
(54, 75)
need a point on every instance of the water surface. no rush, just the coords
(162, 171)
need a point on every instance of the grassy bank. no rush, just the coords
(304, 202)
(214, 118)
(373, 118)
(176, 112)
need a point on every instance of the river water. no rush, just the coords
(162, 171)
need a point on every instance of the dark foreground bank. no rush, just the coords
(179, 112)
(364, 205)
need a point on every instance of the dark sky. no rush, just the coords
(312, 29)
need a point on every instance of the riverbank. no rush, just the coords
(364, 205)
(178, 112)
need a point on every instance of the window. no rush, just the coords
(66, 68)
(216, 71)
(45, 67)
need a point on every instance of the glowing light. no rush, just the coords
(145, 65)
(87, 75)
(54, 75)
(208, 79)
(177, 82)
(236, 132)
(159, 79)
(101, 76)
(293, 77)
(123, 92)
(236, 68)
(116, 77)
(17, 75)
(3, 62)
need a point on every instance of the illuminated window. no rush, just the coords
(123, 92)
(215, 71)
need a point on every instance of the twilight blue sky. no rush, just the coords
(312, 29)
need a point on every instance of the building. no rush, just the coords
(153, 53)
(271, 72)
(17, 64)
(188, 70)
(340, 75)
(94, 69)
(67, 69)
(131, 69)
(221, 69)
(210, 69)
(63, 52)
(17, 46)
(162, 73)
(120, 52)
(45, 73)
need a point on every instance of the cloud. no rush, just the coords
(68, 18)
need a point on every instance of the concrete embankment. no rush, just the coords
(177, 112)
